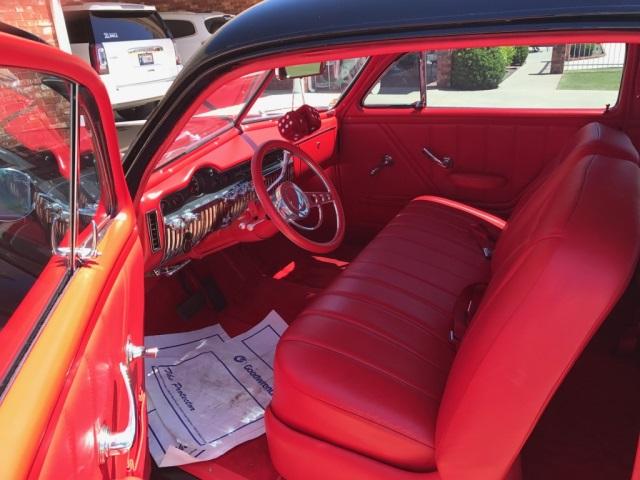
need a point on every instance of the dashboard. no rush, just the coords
(206, 202)
(212, 201)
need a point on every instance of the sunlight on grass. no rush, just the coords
(596, 79)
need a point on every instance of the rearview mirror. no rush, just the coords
(300, 71)
(16, 196)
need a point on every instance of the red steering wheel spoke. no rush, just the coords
(288, 205)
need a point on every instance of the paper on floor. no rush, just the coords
(207, 393)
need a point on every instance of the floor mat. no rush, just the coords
(208, 392)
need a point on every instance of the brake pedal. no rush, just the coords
(191, 306)
(214, 294)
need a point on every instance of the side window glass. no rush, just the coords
(94, 197)
(34, 178)
(582, 75)
(399, 85)
(35, 173)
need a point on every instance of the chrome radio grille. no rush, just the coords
(209, 212)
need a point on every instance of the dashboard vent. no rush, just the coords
(154, 232)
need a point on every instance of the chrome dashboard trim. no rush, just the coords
(210, 212)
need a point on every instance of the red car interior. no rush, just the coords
(464, 323)
(431, 343)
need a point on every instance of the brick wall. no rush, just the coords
(226, 6)
(31, 15)
(35, 15)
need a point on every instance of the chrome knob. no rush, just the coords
(189, 217)
(175, 224)
(136, 351)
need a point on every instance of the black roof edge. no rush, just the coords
(18, 32)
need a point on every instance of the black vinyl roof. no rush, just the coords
(289, 20)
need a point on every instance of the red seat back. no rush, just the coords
(559, 268)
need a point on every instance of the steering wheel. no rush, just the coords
(287, 205)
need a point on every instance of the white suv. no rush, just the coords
(130, 48)
(190, 30)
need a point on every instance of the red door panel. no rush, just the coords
(95, 393)
(494, 157)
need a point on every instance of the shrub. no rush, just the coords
(477, 68)
(508, 53)
(520, 55)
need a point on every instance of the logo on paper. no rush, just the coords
(240, 358)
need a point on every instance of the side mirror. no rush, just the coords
(300, 71)
(16, 195)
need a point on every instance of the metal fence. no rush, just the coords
(594, 56)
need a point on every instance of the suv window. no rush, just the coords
(214, 23)
(567, 76)
(78, 26)
(180, 28)
(110, 26)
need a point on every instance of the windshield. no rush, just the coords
(216, 114)
(221, 110)
(322, 91)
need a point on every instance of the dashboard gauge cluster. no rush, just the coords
(213, 200)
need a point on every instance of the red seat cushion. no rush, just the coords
(365, 366)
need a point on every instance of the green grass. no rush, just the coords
(597, 79)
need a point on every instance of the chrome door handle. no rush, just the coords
(445, 162)
(387, 161)
(110, 443)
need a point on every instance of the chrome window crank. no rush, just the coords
(444, 162)
(387, 161)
